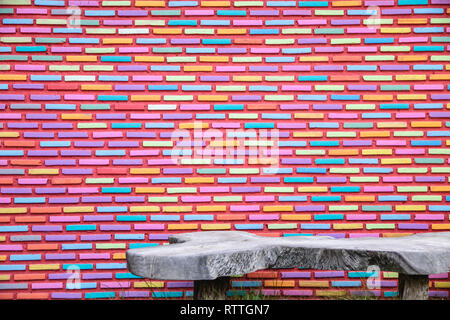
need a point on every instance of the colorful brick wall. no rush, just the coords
(122, 122)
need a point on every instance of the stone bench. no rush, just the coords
(209, 258)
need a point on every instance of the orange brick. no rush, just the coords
(359, 198)
(393, 235)
(344, 78)
(46, 246)
(303, 217)
(248, 41)
(5, 219)
(6, 296)
(263, 274)
(347, 58)
(39, 210)
(33, 296)
(339, 152)
(268, 234)
(29, 276)
(230, 217)
(6, 180)
(255, 106)
(66, 181)
(279, 283)
(20, 143)
(313, 283)
(26, 162)
(30, 219)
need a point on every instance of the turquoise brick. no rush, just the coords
(100, 295)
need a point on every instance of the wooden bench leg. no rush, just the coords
(211, 289)
(413, 287)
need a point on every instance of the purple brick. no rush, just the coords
(329, 274)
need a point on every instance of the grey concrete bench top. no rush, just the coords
(211, 255)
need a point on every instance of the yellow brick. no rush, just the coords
(410, 208)
(411, 58)
(150, 4)
(373, 134)
(168, 31)
(231, 31)
(117, 41)
(144, 209)
(55, 266)
(78, 209)
(119, 256)
(219, 98)
(347, 226)
(193, 125)
(308, 115)
(12, 210)
(426, 124)
(410, 77)
(348, 152)
(211, 208)
(93, 87)
(11, 134)
(411, 97)
(247, 78)
(278, 208)
(177, 209)
(145, 170)
(442, 284)
(440, 188)
(215, 3)
(313, 283)
(330, 293)
(5, 277)
(396, 235)
(412, 21)
(280, 283)
(81, 58)
(345, 3)
(216, 226)
(312, 189)
(199, 180)
(366, 152)
(296, 217)
(439, 76)
(2, 258)
(395, 30)
(264, 161)
(150, 189)
(313, 59)
(213, 59)
(149, 284)
(310, 134)
(442, 226)
(392, 124)
(149, 59)
(396, 161)
(182, 226)
(359, 198)
(145, 97)
(76, 116)
(11, 77)
(43, 171)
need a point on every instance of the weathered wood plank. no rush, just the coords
(413, 287)
(212, 254)
(211, 289)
